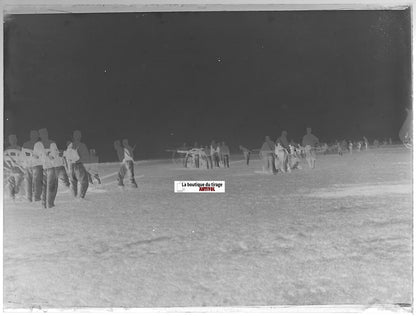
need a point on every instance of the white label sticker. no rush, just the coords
(199, 186)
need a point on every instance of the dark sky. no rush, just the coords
(233, 76)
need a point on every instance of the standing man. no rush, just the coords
(195, 155)
(84, 156)
(129, 161)
(125, 154)
(359, 146)
(310, 141)
(214, 154)
(46, 150)
(81, 148)
(365, 142)
(219, 154)
(246, 154)
(267, 153)
(225, 150)
(120, 155)
(339, 149)
(77, 172)
(33, 168)
(208, 157)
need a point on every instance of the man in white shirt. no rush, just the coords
(127, 165)
(365, 142)
(246, 154)
(120, 155)
(215, 154)
(89, 161)
(208, 157)
(77, 172)
(33, 168)
(219, 154)
(225, 152)
(48, 153)
(310, 141)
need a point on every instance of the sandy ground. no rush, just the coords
(338, 234)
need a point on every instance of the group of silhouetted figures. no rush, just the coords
(216, 155)
(279, 155)
(38, 166)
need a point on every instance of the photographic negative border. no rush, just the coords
(55, 7)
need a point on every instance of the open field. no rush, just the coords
(338, 234)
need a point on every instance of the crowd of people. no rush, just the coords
(279, 155)
(38, 166)
(282, 155)
(40, 163)
(214, 155)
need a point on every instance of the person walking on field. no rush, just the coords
(77, 172)
(219, 154)
(125, 155)
(47, 151)
(214, 154)
(225, 151)
(129, 161)
(267, 154)
(76, 154)
(339, 149)
(85, 157)
(365, 142)
(246, 154)
(33, 169)
(208, 157)
(195, 155)
(60, 166)
(120, 155)
(310, 141)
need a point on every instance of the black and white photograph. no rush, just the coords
(207, 157)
